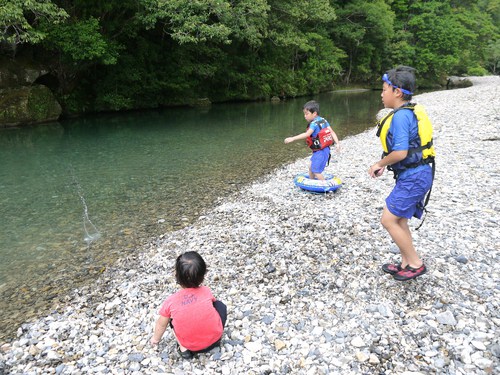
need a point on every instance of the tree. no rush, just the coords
(19, 20)
(298, 48)
(492, 54)
(438, 37)
(479, 31)
(124, 54)
(363, 31)
(251, 48)
(431, 35)
(201, 21)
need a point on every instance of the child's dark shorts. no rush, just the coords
(319, 159)
(407, 197)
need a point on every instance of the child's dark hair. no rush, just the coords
(312, 106)
(403, 77)
(190, 269)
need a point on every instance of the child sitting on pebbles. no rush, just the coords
(193, 313)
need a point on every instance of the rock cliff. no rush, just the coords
(22, 99)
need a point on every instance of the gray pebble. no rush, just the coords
(136, 357)
(461, 259)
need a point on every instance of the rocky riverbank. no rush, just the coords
(301, 275)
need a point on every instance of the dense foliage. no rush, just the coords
(122, 54)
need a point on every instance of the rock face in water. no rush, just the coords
(28, 105)
(22, 100)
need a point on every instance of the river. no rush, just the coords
(77, 194)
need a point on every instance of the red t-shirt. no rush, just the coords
(197, 324)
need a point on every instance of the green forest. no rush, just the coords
(130, 54)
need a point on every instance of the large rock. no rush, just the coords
(19, 72)
(28, 105)
(10, 77)
(455, 82)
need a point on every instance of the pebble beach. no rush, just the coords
(300, 273)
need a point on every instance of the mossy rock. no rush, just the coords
(28, 105)
(19, 72)
(202, 102)
(454, 82)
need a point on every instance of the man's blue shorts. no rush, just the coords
(319, 159)
(406, 199)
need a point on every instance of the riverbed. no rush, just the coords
(307, 295)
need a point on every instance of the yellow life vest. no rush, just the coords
(424, 131)
(426, 146)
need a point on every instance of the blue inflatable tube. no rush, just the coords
(330, 183)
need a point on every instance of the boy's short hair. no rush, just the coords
(190, 269)
(312, 106)
(403, 77)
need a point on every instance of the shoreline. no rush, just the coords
(300, 273)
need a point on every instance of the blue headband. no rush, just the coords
(385, 78)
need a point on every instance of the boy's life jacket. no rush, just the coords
(425, 143)
(323, 139)
(424, 133)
